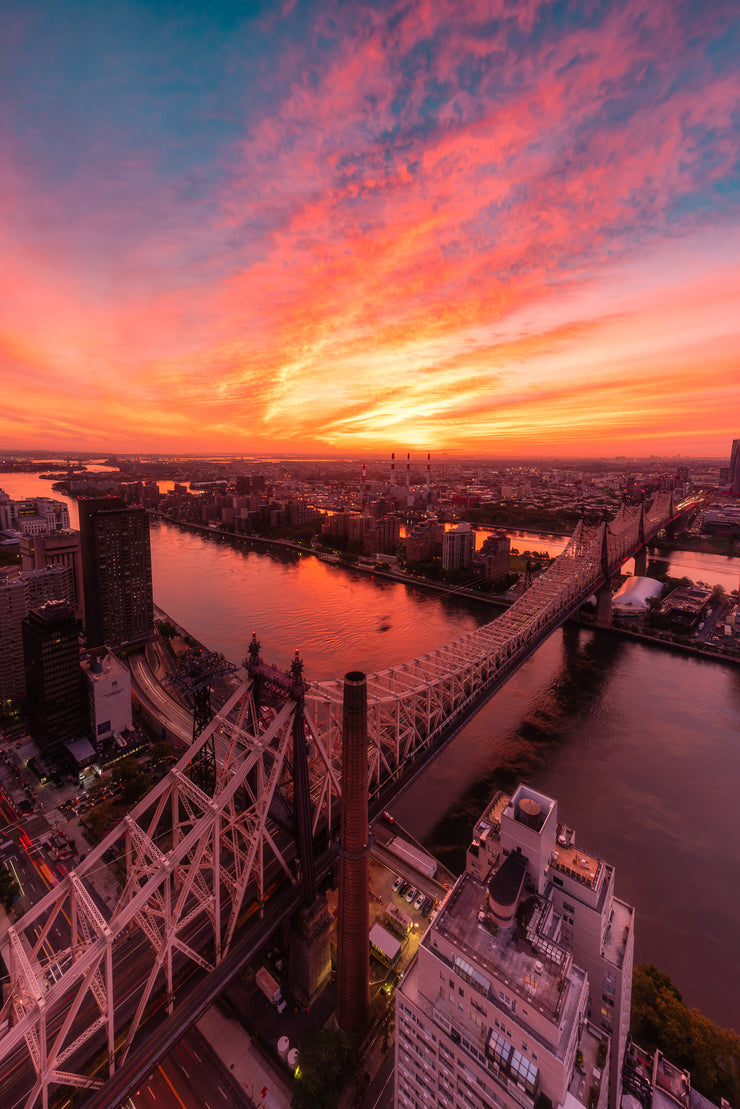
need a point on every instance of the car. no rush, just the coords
(388, 818)
(403, 888)
(427, 906)
(419, 901)
(397, 884)
(411, 894)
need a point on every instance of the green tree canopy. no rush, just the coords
(686, 1037)
(324, 1063)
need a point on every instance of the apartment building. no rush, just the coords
(520, 991)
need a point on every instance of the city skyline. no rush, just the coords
(341, 229)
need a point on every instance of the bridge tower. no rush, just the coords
(604, 593)
(198, 670)
(310, 954)
(641, 554)
(674, 518)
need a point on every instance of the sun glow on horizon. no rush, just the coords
(488, 230)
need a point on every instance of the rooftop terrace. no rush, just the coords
(534, 977)
(576, 863)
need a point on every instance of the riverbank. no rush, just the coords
(500, 601)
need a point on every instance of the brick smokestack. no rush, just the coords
(393, 469)
(353, 926)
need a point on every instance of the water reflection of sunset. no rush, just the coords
(331, 227)
(240, 591)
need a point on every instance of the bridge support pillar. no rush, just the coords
(353, 924)
(604, 604)
(310, 951)
(641, 560)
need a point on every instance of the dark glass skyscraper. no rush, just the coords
(735, 467)
(57, 706)
(117, 572)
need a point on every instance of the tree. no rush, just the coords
(99, 820)
(324, 1063)
(162, 749)
(659, 1019)
(8, 889)
(132, 778)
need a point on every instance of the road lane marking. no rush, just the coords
(184, 1106)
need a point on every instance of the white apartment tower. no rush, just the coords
(108, 685)
(520, 991)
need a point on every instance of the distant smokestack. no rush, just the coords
(429, 480)
(362, 487)
(408, 471)
(353, 923)
(393, 469)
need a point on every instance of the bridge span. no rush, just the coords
(199, 868)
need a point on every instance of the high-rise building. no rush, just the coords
(117, 572)
(54, 549)
(458, 547)
(735, 467)
(521, 986)
(424, 541)
(108, 686)
(495, 554)
(13, 608)
(19, 593)
(57, 707)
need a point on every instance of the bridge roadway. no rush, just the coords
(194, 861)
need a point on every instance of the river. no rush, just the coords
(638, 744)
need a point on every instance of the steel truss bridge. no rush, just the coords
(197, 867)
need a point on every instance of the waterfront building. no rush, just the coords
(458, 547)
(57, 709)
(382, 536)
(108, 687)
(495, 553)
(521, 986)
(424, 541)
(33, 515)
(117, 572)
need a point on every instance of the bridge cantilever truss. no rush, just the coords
(194, 866)
(411, 706)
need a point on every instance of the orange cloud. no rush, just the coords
(444, 225)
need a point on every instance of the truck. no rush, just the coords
(396, 919)
(270, 988)
(414, 856)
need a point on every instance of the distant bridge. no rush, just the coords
(198, 868)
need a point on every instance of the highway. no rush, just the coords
(191, 1077)
(169, 713)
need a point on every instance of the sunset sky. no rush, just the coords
(488, 228)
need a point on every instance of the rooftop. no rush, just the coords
(577, 863)
(539, 979)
